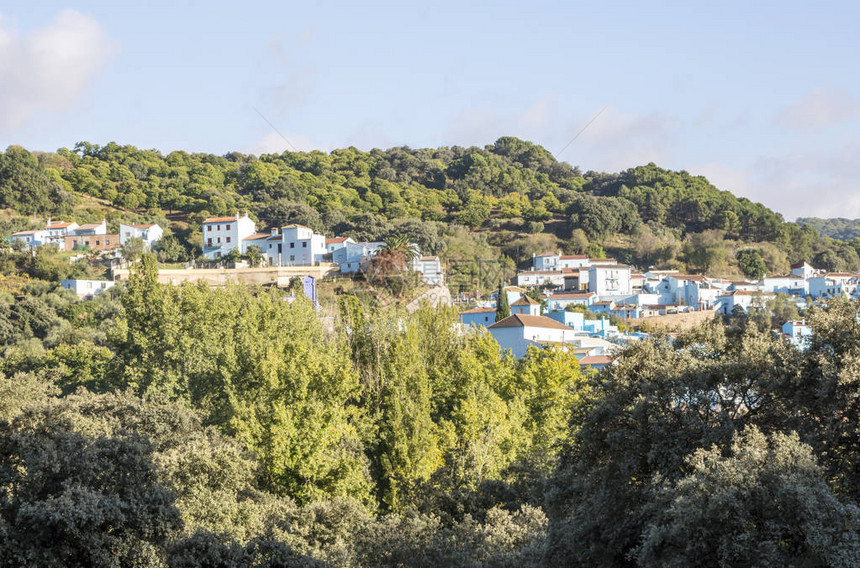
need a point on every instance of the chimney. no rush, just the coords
(237, 215)
(274, 231)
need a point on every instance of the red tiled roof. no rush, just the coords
(574, 257)
(523, 320)
(257, 237)
(335, 240)
(58, 225)
(526, 301)
(148, 226)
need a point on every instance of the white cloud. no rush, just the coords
(820, 108)
(49, 68)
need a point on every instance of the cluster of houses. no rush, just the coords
(297, 245)
(67, 235)
(606, 287)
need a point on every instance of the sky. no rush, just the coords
(762, 98)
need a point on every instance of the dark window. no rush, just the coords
(209, 242)
(292, 245)
(219, 240)
(304, 245)
(227, 227)
(292, 257)
(228, 239)
(279, 248)
(219, 227)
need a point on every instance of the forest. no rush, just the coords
(184, 426)
(500, 204)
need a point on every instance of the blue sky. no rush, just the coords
(763, 99)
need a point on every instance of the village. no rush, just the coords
(594, 306)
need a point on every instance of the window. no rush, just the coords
(280, 246)
(227, 227)
(208, 228)
(228, 239)
(219, 240)
(217, 255)
(209, 242)
(292, 245)
(219, 227)
(304, 245)
(292, 257)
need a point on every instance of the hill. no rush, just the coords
(839, 228)
(498, 204)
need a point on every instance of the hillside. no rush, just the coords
(839, 228)
(495, 205)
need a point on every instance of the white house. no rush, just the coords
(743, 298)
(833, 284)
(30, 238)
(57, 231)
(148, 233)
(92, 229)
(301, 246)
(546, 261)
(517, 332)
(573, 261)
(223, 234)
(785, 284)
(797, 332)
(335, 243)
(561, 301)
(609, 279)
(430, 268)
(350, 256)
(259, 240)
(803, 270)
(84, 288)
(526, 305)
(540, 278)
(478, 316)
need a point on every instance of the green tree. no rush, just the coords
(766, 503)
(751, 263)
(503, 307)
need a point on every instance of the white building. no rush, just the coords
(560, 301)
(57, 231)
(149, 233)
(301, 246)
(478, 317)
(803, 270)
(546, 261)
(517, 332)
(223, 234)
(743, 298)
(541, 278)
(833, 284)
(785, 284)
(92, 229)
(85, 288)
(573, 261)
(526, 305)
(30, 238)
(430, 268)
(335, 243)
(609, 279)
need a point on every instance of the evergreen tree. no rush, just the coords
(503, 308)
